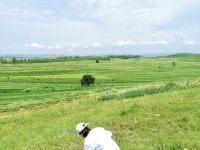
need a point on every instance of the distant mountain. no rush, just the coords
(192, 57)
(182, 55)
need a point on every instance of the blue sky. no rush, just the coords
(93, 27)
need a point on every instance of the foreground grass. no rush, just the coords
(161, 121)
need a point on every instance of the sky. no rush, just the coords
(99, 27)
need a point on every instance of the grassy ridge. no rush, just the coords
(150, 90)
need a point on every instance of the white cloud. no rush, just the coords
(98, 24)
(123, 43)
(34, 45)
(27, 45)
(26, 13)
(134, 13)
(161, 42)
(50, 47)
(97, 45)
(58, 46)
(189, 42)
(67, 45)
(146, 42)
(74, 45)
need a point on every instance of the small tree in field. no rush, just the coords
(14, 60)
(97, 61)
(87, 80)
(173, 63)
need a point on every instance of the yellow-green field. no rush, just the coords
(40, 104)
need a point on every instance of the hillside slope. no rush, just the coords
(161, 121)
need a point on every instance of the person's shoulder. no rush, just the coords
(100, 131)
(94, 135)
(96, 130)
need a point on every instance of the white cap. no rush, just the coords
(80, 127)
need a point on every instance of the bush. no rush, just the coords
(27, 90)
(14, 60)
(87, 80)
(173, 64)
(170, 85)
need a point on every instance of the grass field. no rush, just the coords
(40, 104)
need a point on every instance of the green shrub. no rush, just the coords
(170, 85)
(87, 80)
(97, 61)
(173, 64)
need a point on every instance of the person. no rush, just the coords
(97, 138)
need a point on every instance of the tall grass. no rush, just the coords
(132, 93)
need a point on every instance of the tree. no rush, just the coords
(4, 61)
(137, 57)
(87, 80)
(97, 60)
(173, 63)
(14, 60)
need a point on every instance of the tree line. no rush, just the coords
(15, 60)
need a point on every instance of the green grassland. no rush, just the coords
(40, 104)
